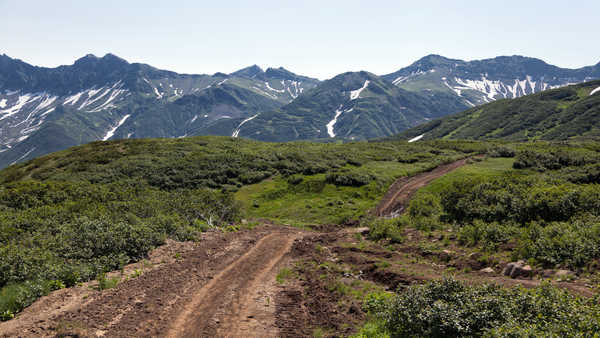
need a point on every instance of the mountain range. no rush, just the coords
(100, 98)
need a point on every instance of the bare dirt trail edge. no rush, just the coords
(224, 307)
(398, 196)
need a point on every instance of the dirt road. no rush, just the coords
(225, 306)
(222, 286)
(400, 193)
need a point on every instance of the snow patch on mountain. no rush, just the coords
(401, 79)
(595, 91)
(274, 97)
(154, 89)
(158, 94)
(236, 132)
(111, 131)
(415, 139)
(108, 103)
(355, 94)
(21, 102)
(73, 98)
(296, 91)
(3, 103)
(331, 123)
(92, 98)
(497, 89)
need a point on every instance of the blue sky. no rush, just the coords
(316, 38)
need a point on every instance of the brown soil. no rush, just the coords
(223, 285)
(324, 260)
(396, 199)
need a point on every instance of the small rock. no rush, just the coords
(526, 271)
(513, 269)
(487, 270)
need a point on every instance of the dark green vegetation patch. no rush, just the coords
(449, 308)
(558, 114)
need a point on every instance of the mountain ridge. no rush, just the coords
(47, 109)
(481, 81)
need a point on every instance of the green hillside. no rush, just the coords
(558, 114)
(70, 216)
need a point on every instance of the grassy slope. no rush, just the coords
(558, 114)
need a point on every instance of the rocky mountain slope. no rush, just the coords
(48, 109)
(350, 106)
(482, 81)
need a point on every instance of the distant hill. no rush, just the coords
(558, 114)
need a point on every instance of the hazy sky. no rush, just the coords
(316, 38)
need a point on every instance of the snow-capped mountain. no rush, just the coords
(482, 81)
(104, 98)
(49, 109)
(351, 106)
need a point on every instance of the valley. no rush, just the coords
(312, 169)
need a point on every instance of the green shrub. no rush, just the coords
(449, 308)
(105, 283)
(488, 234)
(15, 297)
(349, 178)
(573, 244)
(501, 151)
(385, 229)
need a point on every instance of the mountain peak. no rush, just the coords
(280, 73)
(251, 71)
(93, 59)
(432, 60)
(113, 57)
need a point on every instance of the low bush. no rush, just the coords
(449, 308)
(385, 229)
(349, 178)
